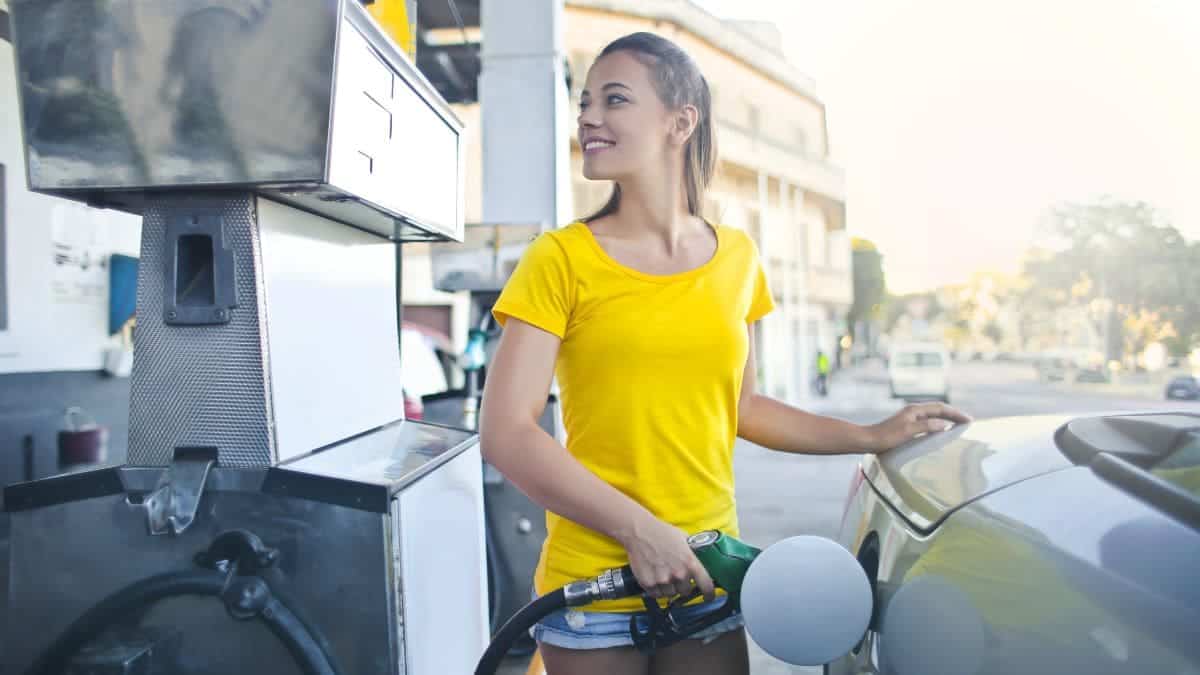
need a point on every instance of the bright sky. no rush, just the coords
(959, 122)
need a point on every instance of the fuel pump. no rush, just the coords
(275, 511)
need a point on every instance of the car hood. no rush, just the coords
(928, 478)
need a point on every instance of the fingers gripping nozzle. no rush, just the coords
(726, 559)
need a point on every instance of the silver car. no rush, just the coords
(1032, 545)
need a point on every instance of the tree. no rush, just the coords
(930, 308)
(993, 332)
(870, 286)
(1122, 257)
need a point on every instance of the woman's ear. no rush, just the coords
(685, 121)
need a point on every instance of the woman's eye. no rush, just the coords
(583, 105)
(613, 99)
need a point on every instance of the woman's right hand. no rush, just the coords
(662, 561)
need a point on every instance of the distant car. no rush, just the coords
(919, 370)
(1033, 545)
(1092, 374)
(1184, 388)
(1052, 369)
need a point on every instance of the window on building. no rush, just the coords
(754, 226)
(817, 251)
(579, 63)
(713, 209)
(839, 249)
(752, 119)
(802, 140)
(798, 246)
(589, 196)
(580, 195)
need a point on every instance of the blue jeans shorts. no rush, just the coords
(574, 629)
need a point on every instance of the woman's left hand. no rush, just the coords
(912, 421)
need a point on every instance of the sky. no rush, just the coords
(959, 123)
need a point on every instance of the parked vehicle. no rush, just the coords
(1032, 545)
(1095, 373)
(1184, 388)
(1052, 369)
(919, 370)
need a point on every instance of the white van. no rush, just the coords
(919, 370)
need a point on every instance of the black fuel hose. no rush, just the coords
(295, 635)
(613, 584)
(512, 629)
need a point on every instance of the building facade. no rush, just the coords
(774, 179)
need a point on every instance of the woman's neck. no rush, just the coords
(657, 206)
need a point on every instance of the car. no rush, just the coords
(1094, 373)
(1183, 388)
(1052, 369)
(919, 370)
(1040, 544)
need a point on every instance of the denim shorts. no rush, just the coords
(571, 628)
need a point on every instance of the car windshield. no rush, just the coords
(918, 359)
(1182, 466)
(1183, 381)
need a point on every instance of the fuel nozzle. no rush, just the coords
(611, 584)
(805, 600)
(725, 558)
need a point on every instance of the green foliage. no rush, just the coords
(1122, 255)
(993, 332)
(870, 286)
(898, 305)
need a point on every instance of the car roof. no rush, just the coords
(931, 476)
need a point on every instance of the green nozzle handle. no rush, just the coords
(724, 557)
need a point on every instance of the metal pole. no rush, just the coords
(523, 101)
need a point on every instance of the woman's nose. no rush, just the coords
(589, 118)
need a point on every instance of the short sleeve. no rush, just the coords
(539, 291)
(761, 303)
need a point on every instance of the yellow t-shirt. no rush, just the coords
(649, 371)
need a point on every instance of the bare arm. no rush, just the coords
(513, 442)
(776, 425)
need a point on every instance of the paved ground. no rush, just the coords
(783, 495)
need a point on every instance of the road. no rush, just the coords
(783, 495)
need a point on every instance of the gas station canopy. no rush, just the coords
(448, 43)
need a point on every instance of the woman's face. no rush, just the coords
(623, 125)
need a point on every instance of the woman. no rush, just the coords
(646, 313)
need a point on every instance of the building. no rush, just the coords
(775, 179)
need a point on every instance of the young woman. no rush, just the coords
(646, 313)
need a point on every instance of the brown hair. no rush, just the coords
(678, 82)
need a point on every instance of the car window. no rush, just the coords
(1183, 381)
(1182, 467)
(918, 359)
